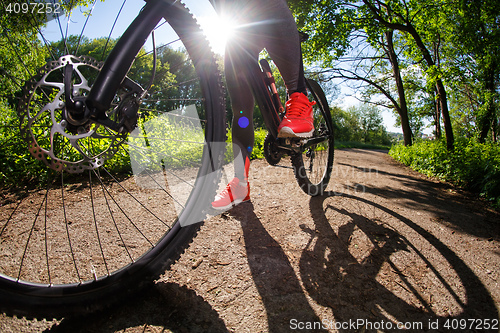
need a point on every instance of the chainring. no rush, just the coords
(272, 152)
(50, 136)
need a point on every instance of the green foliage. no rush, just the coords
(258, 147)
(471, 165)
(454, 43)
(473, 59)
(328, 23)
(20, 57)
(16, 163)
(360, 124)
(167, 141)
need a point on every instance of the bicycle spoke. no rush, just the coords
(67, 229)
(46, 243)
(95, 224)
(117, 228)
(23, 256)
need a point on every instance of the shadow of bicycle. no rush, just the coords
(359, 261)
(368, 263)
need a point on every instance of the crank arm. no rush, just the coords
(313, 141)
(300, 145)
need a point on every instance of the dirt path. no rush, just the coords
(383, 246)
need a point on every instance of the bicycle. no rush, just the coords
(312, 158)
(92, 234)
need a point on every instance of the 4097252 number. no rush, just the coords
(34, 8)
(471, 324)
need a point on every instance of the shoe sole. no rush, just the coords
(231, 205)
(287, 132)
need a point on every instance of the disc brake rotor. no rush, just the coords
(51, 135)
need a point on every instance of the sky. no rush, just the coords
(104, 13)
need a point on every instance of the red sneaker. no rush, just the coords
(233, 194)
(298, 120)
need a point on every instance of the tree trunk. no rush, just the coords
(441, 92)
(403, 107)
(487, 120)
(437, 118)
(446, 115)
(494, 131)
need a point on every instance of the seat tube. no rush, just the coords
(122, 56)
(263, 98)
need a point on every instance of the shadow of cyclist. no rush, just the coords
(355, 244)
(276, 281)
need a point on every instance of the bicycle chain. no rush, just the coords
(47, 155)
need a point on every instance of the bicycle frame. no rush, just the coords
(268, 105)
(265, 93)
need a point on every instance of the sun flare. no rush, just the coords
(218, 30)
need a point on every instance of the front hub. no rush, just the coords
(56, 121)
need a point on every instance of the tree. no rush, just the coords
(21, 51)
(398, 15)
(347, 125)
(356, 23)
(375, 77)
(477, 39)
(372, 129)
(329, 25)
(361, 123)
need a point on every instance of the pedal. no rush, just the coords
(295, 142)
(292, 144)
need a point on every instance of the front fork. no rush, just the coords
(118, 63)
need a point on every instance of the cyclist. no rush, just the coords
(261, 24)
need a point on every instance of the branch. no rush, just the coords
(356, 77)
(375, 12)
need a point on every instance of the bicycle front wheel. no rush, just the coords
(89, 213)
(313, 165)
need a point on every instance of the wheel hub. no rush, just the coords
(56, 122)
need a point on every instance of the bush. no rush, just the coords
(178, 148)
(471, 165)
(258, 147)
(16, 164)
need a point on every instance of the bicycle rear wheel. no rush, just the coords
(90, 214)
(313, 166)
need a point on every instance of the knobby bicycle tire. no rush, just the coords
(98, 283)
(313, 167)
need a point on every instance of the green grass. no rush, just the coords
(360, 145)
